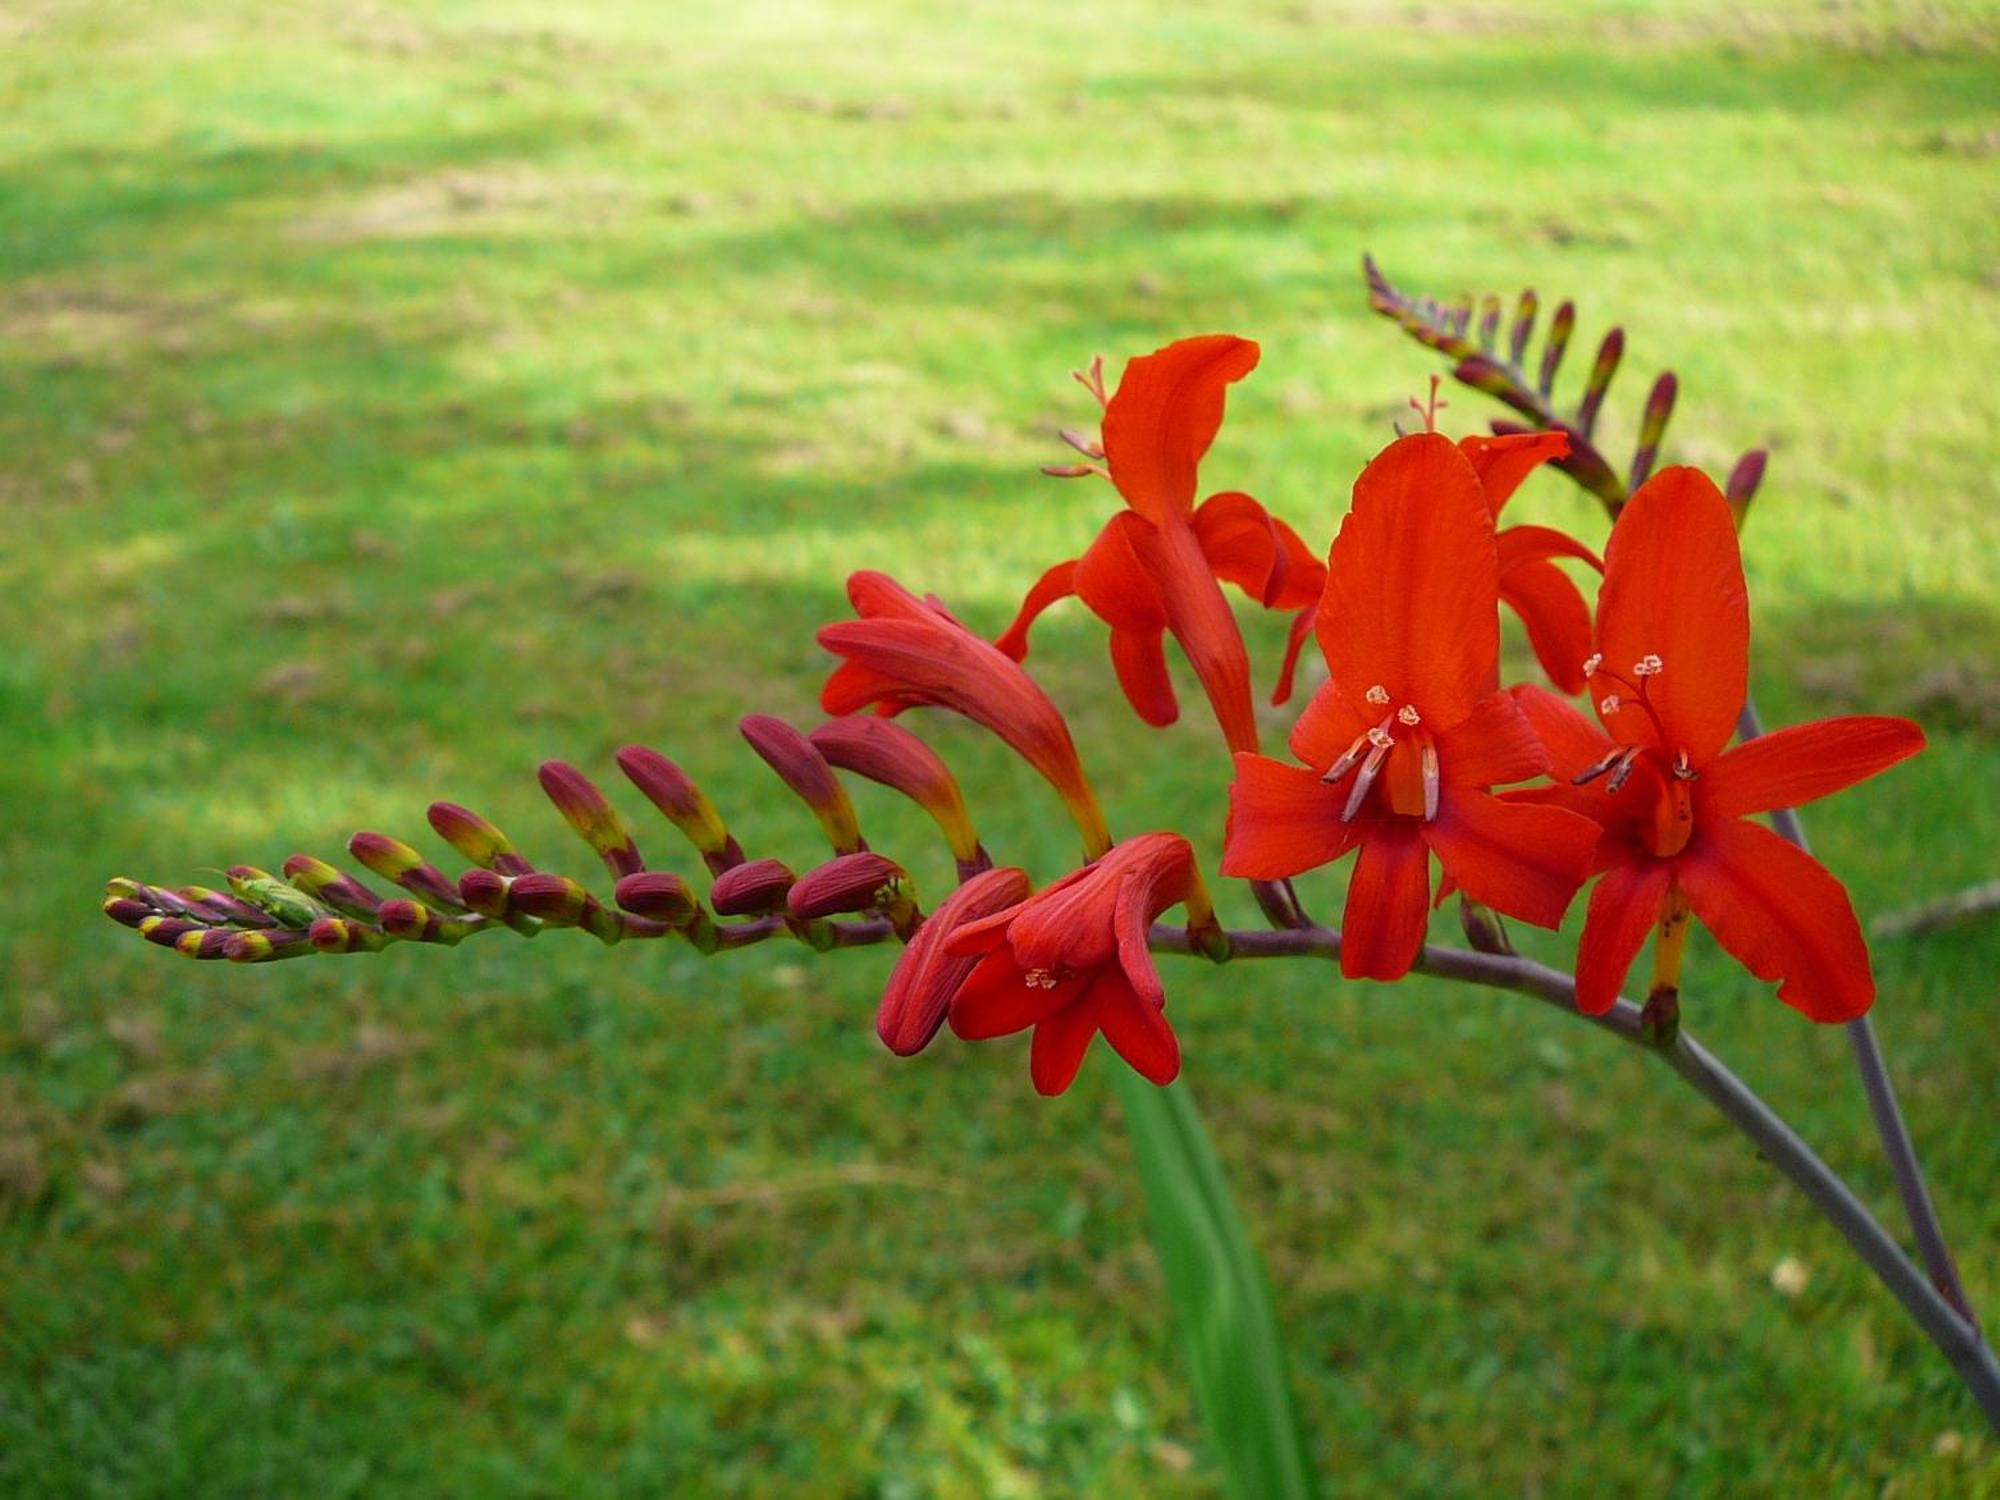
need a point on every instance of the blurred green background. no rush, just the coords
(392, 396)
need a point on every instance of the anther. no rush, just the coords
(1380, 738)
(1592, 662)
(1408, 714)
(1377, 695)
(1039, 979)
(1648, 666)
(1624, 772)
(1370, 769)
(1683, 771)
(1596, 769)
(1431, 783)
(1609, 704)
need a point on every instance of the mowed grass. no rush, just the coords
(392, 397)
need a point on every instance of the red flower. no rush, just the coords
(1552, 607)
(1668, 678)
(904, 652)
(1072, 961)
(1154, 568)
(926, 976)
(1404, 740)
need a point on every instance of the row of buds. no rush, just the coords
(318, 908)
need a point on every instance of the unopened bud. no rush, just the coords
(853, 882)
(885, 752)
(476, 839)
(1744, 480)
(267, 945)
(555, 899)
(660, 896)
(485, 892)
(209, 943)
(595, 820)
(127, 912)
(395, 860)
(1483, 928)
(802, 768)
(925, 978)
(339, 935)
(751, 889)
(336, 888)
(667, 787)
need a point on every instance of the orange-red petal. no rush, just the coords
(1163, 417)
(997, 1000)
(1412, 594)
(1061, 1039)
(1247, 546)
(926, 977)
(1525, 861)
(1495, 744)
(1624, 906)
(1388, 903)
(1055, 585)
(1137, 1029)
(1141, 664)
(1558, 621)
(1283, 820)
(1782, 915)
(1504, 460)
(1673, 589)
(1295, 640)
(1793, 766)
(1115, 583)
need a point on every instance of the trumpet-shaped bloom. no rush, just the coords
(1071, 961)
(1667, 679)
(906, 651)
(1548, 603)
(1154, 569)
(1404, 741)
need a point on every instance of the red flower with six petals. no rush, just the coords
(1072, 961)
(1669, 676)
(1154, 568)
(1404, 741)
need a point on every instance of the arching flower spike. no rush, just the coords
(1072, 961)
(1403, 743)
(1667, 679)
(904, 652)
(1153, 570)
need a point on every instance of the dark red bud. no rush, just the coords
(752, 889)
(802, 768)
(853, 882)
(660, 895)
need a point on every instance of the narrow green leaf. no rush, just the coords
(1220, 1296)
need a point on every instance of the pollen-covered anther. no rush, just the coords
(1610, 703)
(1648, 666)
(1623, 772)
(1377, 695)
(1381, 742)
(1380, 738)
(1408, 714)
(1039, 979)
(1592, 662)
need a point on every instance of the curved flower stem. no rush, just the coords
(1955, 1335)
(1888, 1115)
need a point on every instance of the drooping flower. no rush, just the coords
(1549, 604)
(1154, 569)
(926, 976)
(906, 651)
(1072, 961)
(1667, 678)
(1403, 743)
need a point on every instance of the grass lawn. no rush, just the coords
(393, 396)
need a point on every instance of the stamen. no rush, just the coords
(1088, 447)
(1624, 772)
(1683, 771)
(1408, 714)
(1347, 761)
(1431, 783)
(1377, 695)
(1592, 662)
(1380, 738)
(1039, 979)
(1591, 772)
(1648, 666)
(1370, 769)
(1609, 704)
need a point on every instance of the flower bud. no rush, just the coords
(485, 892)
(659, 896)
(595, 820)
(476, 839)
(208, 943)
(885, 752)
(667, 787)
(267, 945)
(802, 768)
(395, 860)
(555, 899)
(752, 889)
(925, 977)
(862, 881)
(335, 887)
(339, 935)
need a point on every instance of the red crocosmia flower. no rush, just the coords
(1072, 961)
(905, 651)
(1154, 568)
(1403, 742)
(1668, 678)
(1549, 604)
(926, 977)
